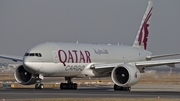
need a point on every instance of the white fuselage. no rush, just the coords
(71, 59)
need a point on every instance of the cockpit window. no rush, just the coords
(26, 54)
(33, 54)
(38, 54)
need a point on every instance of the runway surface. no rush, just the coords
(138, 91)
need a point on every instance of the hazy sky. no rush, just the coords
(25, 23)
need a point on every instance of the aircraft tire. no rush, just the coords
(119, 88)
(39, 86)
(70, 86)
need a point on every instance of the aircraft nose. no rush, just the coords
(31, 67)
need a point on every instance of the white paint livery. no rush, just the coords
(123, 63)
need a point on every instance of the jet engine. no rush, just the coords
(24, 77)
(125, 75)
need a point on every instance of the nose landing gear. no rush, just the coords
(38, 84)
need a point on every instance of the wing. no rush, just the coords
(107, 68)
(13, 58)
(163, 55)
(169, 62)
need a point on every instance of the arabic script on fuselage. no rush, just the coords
(101, 51)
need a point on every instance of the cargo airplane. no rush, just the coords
(73, 60)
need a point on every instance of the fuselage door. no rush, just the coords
(55, 56)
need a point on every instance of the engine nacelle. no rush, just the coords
(125, 75)
(24, 77)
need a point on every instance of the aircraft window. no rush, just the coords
(37, 54)
(31, 54)
(40, 55)
(26, 54)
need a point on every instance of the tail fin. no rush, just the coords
(142, 35)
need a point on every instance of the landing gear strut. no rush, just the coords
(119, 88)
(69, 85)
(38, 84)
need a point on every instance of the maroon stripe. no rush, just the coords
(145, 26)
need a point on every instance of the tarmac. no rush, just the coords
(165, 91)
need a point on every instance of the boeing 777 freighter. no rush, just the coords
(70, 60)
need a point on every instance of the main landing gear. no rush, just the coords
(69, 85)
(38, 84)
(119, 88)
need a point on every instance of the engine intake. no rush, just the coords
(24, 77)
(125, 75)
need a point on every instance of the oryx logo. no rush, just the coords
(143, 35)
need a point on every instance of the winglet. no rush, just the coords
(142, 35)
